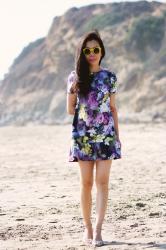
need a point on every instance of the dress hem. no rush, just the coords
(76, 160)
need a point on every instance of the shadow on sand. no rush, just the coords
(148, 245)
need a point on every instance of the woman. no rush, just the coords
(95, 135)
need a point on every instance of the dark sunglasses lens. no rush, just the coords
(96, 50)
(86, 51)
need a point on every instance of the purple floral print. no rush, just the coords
(93, 132)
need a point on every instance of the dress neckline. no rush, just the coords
(93, 73)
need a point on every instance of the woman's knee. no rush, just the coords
(102, 183)
(87, 184)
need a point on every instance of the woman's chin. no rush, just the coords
(93, 63)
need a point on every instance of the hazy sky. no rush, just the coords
(24, 21)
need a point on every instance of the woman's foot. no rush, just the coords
(97, 233)
(97, 238)
(88, 234)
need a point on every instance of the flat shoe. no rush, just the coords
(97, 243)
(87, 241)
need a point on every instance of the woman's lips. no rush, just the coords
(92, 59)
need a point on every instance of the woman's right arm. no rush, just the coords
(71, 103)
(71, 93)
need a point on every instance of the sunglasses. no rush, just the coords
(95, 50)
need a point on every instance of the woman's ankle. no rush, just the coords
(98, 227)
(97, 235)
(88, 231)
(88, 225)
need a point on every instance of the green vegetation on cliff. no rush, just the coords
(103, 20)
(146, 31)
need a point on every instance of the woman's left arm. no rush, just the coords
(114, 113)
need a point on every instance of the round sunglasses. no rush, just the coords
(95, 50)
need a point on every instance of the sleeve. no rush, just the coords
(113, 83)
(70, 80)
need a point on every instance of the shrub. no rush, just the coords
(103, 20)
(146, 31)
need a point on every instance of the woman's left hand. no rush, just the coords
(119, 141)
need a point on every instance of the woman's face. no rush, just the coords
(93, 58)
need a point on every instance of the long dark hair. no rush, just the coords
(81, 65)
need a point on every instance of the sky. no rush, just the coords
(24, 21)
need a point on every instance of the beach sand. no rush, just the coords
(40, 190)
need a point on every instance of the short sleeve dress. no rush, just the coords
(93, 135)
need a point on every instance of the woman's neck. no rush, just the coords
(95, 68)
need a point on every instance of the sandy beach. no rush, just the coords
(40, 191)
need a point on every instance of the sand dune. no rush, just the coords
(39, 190)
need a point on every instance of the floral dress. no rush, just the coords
(93, 135)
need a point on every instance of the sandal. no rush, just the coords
(97, 243)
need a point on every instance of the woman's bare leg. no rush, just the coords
(86, 184)
(102, 181)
